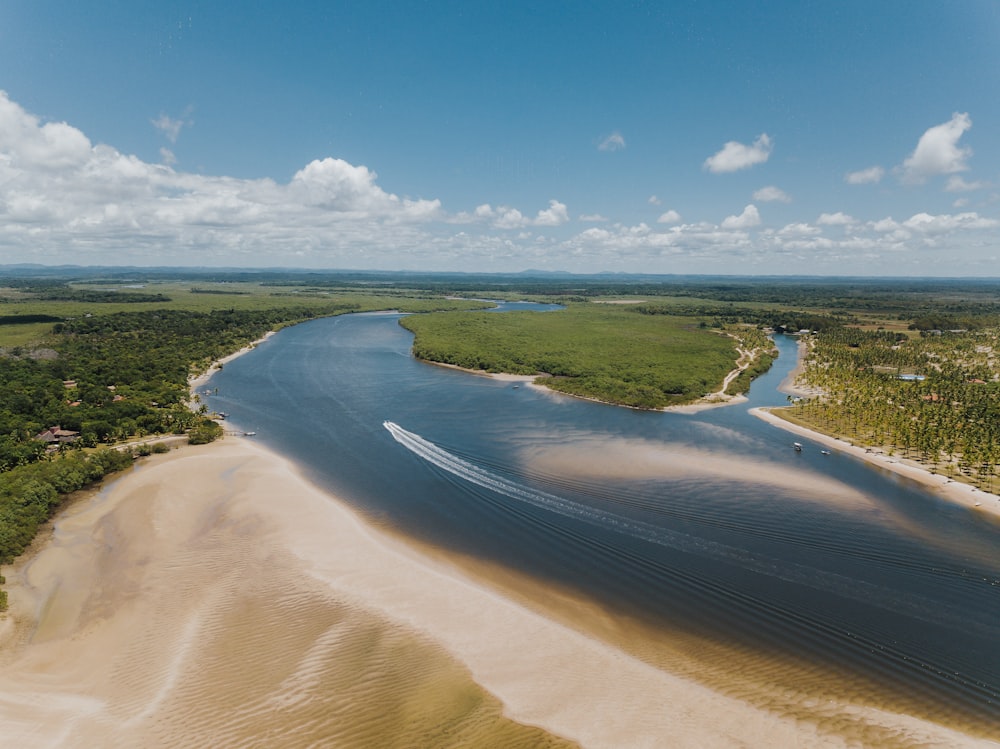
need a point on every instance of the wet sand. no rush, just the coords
(947, 488)
(213, 597)
(944, 487)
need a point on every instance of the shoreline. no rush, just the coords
(705, 403)
(132, 616)
(941, 486)
(148, 594)
(199, 380)
(102, 644)
(945, 488)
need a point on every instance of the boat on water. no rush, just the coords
(824, 452)
(797, 446)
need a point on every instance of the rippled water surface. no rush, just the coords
(818, 571)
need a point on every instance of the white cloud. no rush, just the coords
(957, 184)
(593, 217)
(928, 224)
(749, 218)
(614, 142)
(937, 151)
(834, 219)
(653, 200)
(167, 157)
(885, 224)
(735, 156)
(62, 196)
(506, 217)
(555, 215)
(66, 200)
(869, 176)
(171, 128)
(509, 218)
(798, 230)
(771, 194)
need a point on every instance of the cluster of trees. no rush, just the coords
(115, 375)
(596, 351)
(931, 398)
(111, 377)
(54, 291)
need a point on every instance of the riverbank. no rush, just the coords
(201, 379)
(713, 400)
(185, 604)
(942, 486)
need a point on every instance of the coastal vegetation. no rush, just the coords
(110, 366)
(932, 397)
(594, 351)
(909, 367)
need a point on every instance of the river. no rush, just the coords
(708, 544)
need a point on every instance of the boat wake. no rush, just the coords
(784, 569)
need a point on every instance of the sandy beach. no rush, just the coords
(212, 597)
(200, 380)
(948, 489)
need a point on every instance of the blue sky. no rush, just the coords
(824, 138)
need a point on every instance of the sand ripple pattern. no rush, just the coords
(200, 627)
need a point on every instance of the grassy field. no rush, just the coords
(204, 298)
(596, 351)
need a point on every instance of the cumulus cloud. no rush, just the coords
(938, 152)
(506, 217)
(888, 245)
(555, 215)
(746, 220)
(614, 142)
(771, 194)
(653, 200)
(798, 230)
(58, 191)
(593, 217)
(869, 176)
(64, 199)
(834, 219)
(735, 156)
(943, 223)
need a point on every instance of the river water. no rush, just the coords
(767, 570)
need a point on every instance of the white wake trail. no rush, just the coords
(785, 570)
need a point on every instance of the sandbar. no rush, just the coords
(212, 596)
(948, 489)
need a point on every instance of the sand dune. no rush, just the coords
(212, 597)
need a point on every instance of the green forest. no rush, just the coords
(598, 351)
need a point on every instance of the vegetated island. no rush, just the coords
(907, 371)
(601, 352)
